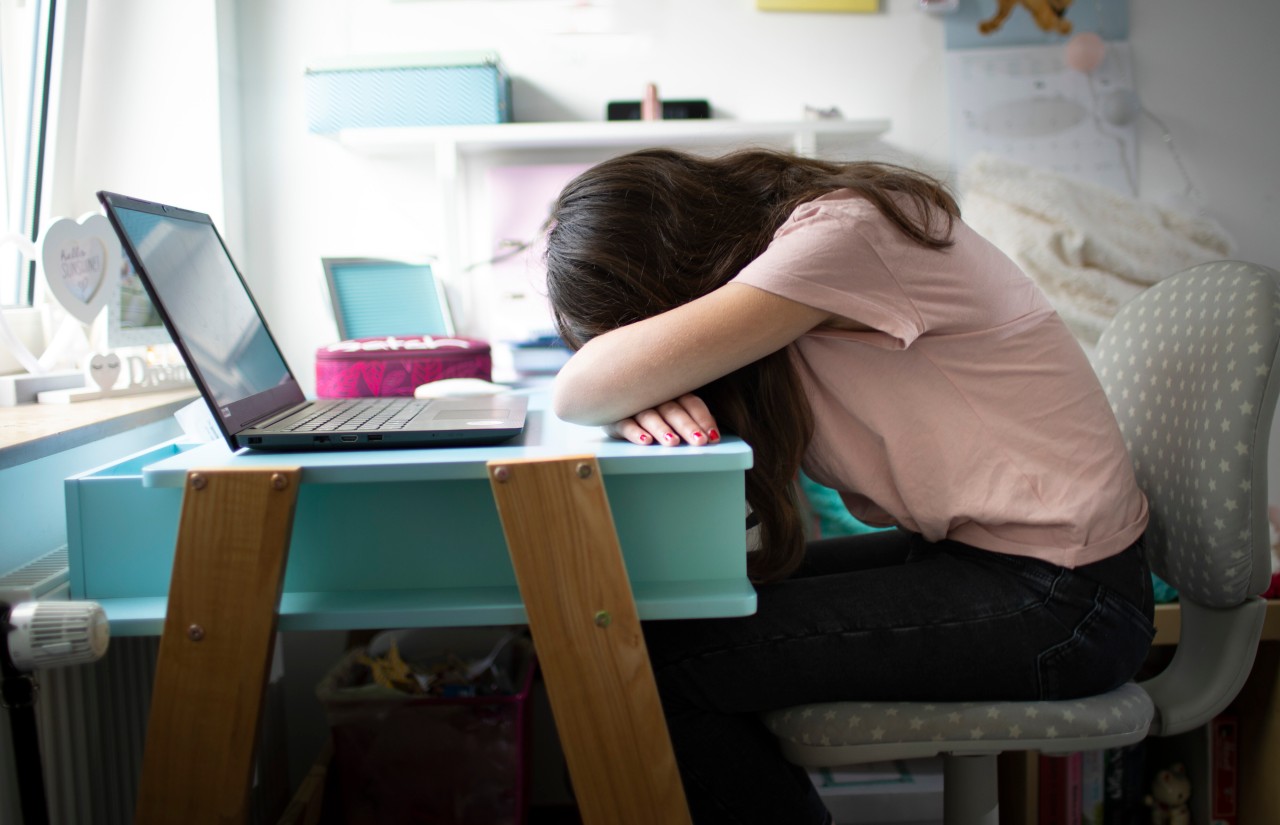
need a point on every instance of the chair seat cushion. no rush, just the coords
(1118, 717)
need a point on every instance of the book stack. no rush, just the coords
(1114, 786)
(1093, 787)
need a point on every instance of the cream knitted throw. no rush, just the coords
(1089, 248)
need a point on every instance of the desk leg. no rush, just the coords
(215, 650)
(568, 564)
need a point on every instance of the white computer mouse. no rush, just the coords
(458, 388)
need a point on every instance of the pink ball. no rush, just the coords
(1085, 52)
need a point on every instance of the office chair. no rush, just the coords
(1189, 366)
(372, 298)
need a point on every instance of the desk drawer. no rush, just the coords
(120, 535)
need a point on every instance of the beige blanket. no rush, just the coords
(1089, 248)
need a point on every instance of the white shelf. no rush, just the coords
(802, 135)
(457, 149)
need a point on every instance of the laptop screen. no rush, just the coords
(208, 311)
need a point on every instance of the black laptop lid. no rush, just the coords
(207, 309)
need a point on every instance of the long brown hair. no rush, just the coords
(649, 231)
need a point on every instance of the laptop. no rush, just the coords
(212, 318)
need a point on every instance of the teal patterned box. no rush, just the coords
(440, 89)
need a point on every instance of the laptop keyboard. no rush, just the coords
(374, 414)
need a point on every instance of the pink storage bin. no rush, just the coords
(397, 364)
(431, 760)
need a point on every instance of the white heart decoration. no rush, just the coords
(8, 338)
(79, 258)
(104, 370)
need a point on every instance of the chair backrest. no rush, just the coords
(372, 298)
(1189, 367)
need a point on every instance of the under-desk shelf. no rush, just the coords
(803, 135)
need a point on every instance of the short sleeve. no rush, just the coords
(826, 255)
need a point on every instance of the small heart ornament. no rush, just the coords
(78, 258)
(104, 370)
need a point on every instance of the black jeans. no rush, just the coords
(885, 617)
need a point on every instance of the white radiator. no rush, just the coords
(93, 721)
(92, 718)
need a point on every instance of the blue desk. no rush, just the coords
(411, 538)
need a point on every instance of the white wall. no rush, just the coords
(307, 197)
(149, 120)
(1203, 69)
(1208, 70)
(155, 103)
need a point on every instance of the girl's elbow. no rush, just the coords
(565, 403)
(571, 405)
(560, 405)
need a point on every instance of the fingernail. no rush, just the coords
(697, 434)
(714, 434)
(669, 437)
(644, 437)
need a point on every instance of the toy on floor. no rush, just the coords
(1048, 15)
(1168, 798)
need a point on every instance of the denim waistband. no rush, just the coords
(1126, 573)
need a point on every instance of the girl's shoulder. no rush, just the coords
(840, 209)
(836, 202)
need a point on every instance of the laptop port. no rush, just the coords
(320, 439)
(349, 438)
(375, 437)
(254, 439)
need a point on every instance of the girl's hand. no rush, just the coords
(685, 419)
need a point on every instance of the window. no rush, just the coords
(25, 37)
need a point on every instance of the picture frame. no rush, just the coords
(132, 320)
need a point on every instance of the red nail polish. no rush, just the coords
(697, 434)
(669, 437)
(714, 434)
(644, 436)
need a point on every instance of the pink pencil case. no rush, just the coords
(396, 365)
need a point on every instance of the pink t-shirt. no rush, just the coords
(969, 412)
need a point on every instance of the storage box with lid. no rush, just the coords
(395, 365)
(435, 89)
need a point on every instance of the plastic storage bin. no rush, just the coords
(411, 759)
(449, 88)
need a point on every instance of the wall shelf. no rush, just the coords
(803, 136)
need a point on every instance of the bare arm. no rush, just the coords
(640, 367)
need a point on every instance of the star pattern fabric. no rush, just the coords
(1184, 365)
(994, 725)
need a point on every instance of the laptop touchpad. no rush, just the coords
(480, 416)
